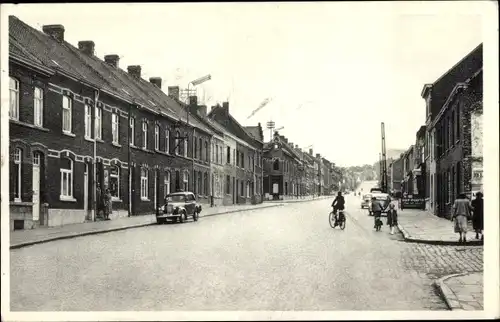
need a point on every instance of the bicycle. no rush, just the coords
(340, 221)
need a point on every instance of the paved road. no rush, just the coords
(285, 258)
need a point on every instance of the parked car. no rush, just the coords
(384, 199)
(376, 190)
(179, 206)
(365, 203)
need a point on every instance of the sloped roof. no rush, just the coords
(231, 125)
(255, 132)
(460, 72)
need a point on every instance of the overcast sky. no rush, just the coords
(334, 71)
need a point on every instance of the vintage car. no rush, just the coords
(366, 200)
(179, 206)
(384, 199)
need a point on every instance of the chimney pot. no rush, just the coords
(112, 60)
(87, 47)
(56, 31)
(202, 110)
(310, 151)
(225, 105)
(173, 92)
(155, 81)
(134, 71)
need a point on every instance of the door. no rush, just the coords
(156, 191)
(36, 186)
(86, 191)
(234, 192)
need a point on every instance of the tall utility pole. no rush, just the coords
(384, 161)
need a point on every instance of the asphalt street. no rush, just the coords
(284, 258)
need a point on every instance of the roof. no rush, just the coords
(460, 72)
(255, 132)
(64, 57)
(218, 114)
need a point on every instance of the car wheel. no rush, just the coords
(182, 217)
(195, 216)
(160, 221)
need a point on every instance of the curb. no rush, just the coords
(447, 294)
(410, 239)
(102, 231)
(292, 202)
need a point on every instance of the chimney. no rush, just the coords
(155, 81)
(87, 47)
(56, 31)
(318, 155)
(310, 151)
(213, 107)
(202, 110)
(134, 71)
(193, 100)
(225, 106)
(112, 60)
(173, 92)
(297, 146)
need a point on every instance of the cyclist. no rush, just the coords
(338, 204)
(376, 210)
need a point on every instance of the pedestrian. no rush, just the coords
(392, 218)
(108, 204)
(461, 212)
(477, 215)
(99, 201)
(377, 211)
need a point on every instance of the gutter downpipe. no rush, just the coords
(128, 161)
(94, 170)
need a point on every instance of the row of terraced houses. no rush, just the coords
(447, 156)
(79, 124)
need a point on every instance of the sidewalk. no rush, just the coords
(22, 238)
(420, 226)
(462, 291)
(300, 199)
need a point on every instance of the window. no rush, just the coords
(458, 174)
(66, 114)
(200, 146)
(238, 158)
(144, 184)
(228, 155)
(457, 124)
(144, 135)
(115, 127)
(114, 182)
(18, 154)
(241, 188)
(234, 157)
(205, 183)
(157, 137)
(66, 178)
(185, 145)
(166, 183)
(132, 131)
(243, 160)
(452, 128)
(449, 190)
(167, 141)
(276, 165)
(98, 123)
(248, 189)
(38, 107)
(216, 153)
(88, 122)
(207, 152)
(14, 99)
(228, 184)
(195, 148)
(185, 180)
(177, 141)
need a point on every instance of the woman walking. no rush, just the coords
(392, 218)
(477, 215)
(461, 212)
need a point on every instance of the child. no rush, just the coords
(392, 218)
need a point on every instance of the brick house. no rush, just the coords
(396, 174)
(258, 135)
(454, 114)
(244, 150)
(408, 186)
(419, 169)
(69, 108)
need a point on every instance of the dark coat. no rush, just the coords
(478, 211)
(392, 217)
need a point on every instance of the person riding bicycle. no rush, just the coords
(376, 210)
(338, 204)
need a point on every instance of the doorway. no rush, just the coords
(37, 157)
(86, 192)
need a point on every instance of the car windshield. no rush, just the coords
(175, 198)
(367, 196)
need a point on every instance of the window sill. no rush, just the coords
(99, 140)
(66, 198)
(89, 139)
(145, 199)
(32, 126)
(116, 199)
(116, 144)
(69, 134)
(21, 203)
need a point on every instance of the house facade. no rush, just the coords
(454, 118)
(80, 125)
